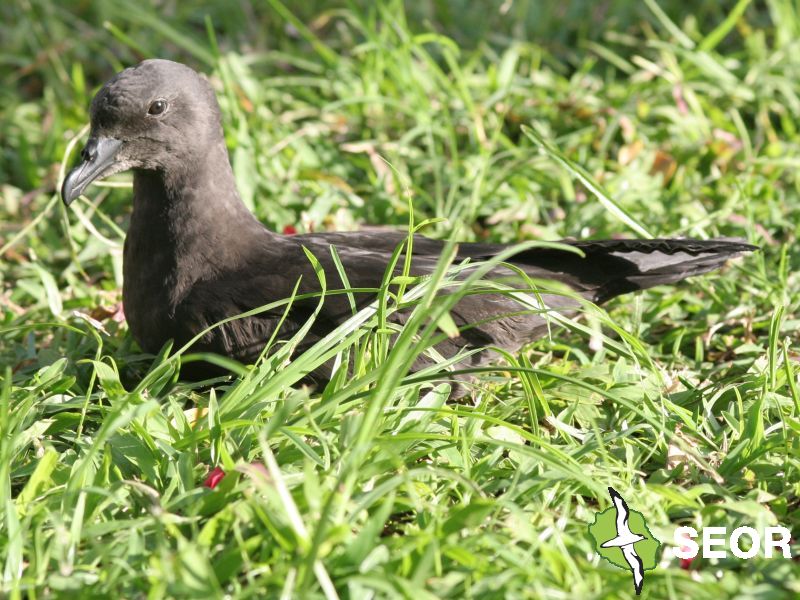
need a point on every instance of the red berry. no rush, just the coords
(214, 478)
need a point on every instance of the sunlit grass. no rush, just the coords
(645, 120)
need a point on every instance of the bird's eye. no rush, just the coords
(157, 107)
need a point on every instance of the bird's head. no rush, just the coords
(154, 116)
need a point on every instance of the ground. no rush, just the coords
(656, 118)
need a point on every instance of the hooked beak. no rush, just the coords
(98, 154)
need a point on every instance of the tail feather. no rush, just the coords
(614, 267)
(662, 262)
(669, 246)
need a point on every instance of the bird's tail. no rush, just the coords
(662, 261)
(614, 267)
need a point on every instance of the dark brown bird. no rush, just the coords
(195, 255)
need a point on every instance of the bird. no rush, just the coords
(194, 255)
(626, 540)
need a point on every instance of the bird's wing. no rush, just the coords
(501, 320)
(637, 567)
(623, 530)
(271, 270)
(603, 268)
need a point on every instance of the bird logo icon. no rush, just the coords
(621, 536)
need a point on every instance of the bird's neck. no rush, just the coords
(187, 225)
(202, 191)
(195, 210)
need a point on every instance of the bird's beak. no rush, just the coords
(98, 155)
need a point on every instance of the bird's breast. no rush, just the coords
(148, 279)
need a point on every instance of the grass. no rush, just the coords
(684, 398)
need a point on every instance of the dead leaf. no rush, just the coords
(628, 153)
(678, 456)
(665, 164)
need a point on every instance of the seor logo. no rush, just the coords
(621, 537)
(775, 538)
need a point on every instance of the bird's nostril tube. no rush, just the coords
(89, 152)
